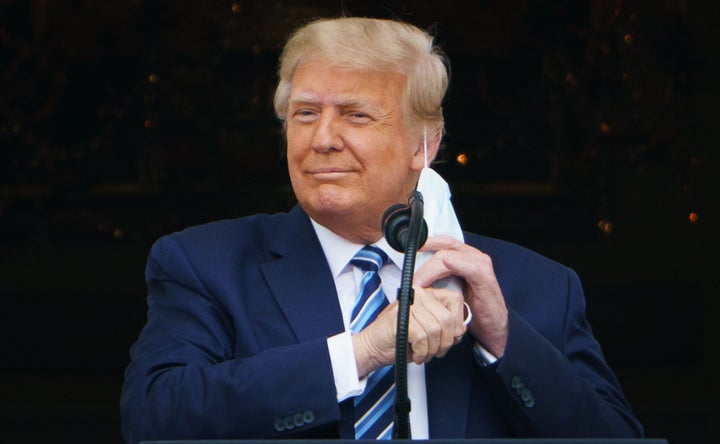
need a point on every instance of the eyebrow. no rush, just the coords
(344, 102)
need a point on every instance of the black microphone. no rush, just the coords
(396, 225)
(406, 231)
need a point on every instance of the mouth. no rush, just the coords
(329, 173)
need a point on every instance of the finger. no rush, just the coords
(454, 303)
(418, 342)
(474, 266)
(432, 270)
(444, 249)
(441, 242)
(461, 260)
(423, 333)
(438, 322)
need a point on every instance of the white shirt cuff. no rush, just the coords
(342, 359)
(482, 356)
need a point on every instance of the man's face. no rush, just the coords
(349, 152)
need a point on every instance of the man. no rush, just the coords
(251, 329)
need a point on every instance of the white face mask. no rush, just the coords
(439, 215)
(438, 210)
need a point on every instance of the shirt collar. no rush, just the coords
(339, 251)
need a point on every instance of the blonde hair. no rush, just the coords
(376, 44)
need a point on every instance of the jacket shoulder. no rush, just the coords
(522, 271)
(257, 227)
(505, 252)
(222, 242)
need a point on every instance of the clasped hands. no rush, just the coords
(437, 315)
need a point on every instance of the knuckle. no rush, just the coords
(441, 254)
(421, 340)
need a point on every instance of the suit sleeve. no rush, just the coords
(184, 380)
(560, 390)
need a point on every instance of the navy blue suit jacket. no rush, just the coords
(235, 346)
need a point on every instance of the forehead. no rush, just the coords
(316, 81)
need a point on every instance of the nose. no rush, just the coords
(327, 133)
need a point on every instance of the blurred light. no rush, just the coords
(462, 159)
(693, 217)
(628, 38)
(605, 128)
(236, 8)
(606, 227)
(153, 78)
(118, 233)
(148, 123)
(570, 79)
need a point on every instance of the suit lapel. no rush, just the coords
(301, 282)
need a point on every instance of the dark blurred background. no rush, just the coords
(584, 129)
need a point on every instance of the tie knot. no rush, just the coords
(369, 258)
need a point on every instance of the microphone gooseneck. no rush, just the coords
(406, 231)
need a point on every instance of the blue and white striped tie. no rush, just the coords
(373, 408)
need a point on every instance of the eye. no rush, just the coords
(358, 117)
(304, 115)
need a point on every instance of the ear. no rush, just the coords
(433, 145)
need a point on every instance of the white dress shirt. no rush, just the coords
(338, 252)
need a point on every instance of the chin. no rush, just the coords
(329, 210)
(330, 199)
(340, 210)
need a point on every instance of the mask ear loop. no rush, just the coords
(425, 145)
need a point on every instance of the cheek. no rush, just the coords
(294, 148)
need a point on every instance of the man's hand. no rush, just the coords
(489, 323)
(436, 319)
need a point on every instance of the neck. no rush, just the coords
(351, 230)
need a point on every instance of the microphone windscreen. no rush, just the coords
(396, 223)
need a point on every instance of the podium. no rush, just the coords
(422, 441)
